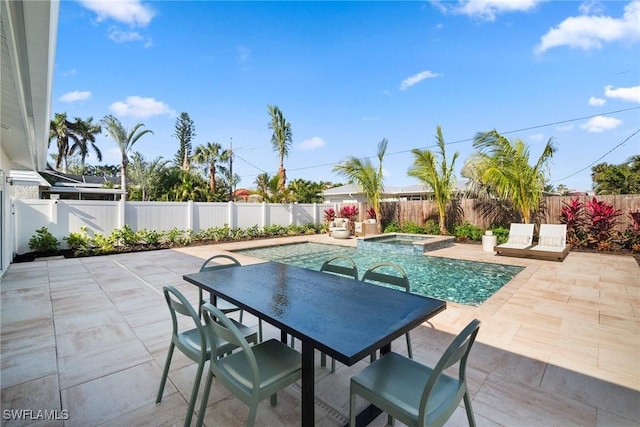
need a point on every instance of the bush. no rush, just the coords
(44, 242)
(501, 233)
(468, 231)
(392, 227)
(80, 243)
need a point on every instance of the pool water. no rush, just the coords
(398, 240)
(464, 282)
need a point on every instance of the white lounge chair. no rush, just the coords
(552, 243)
(519, 241)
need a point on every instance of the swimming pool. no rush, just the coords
(464, 282)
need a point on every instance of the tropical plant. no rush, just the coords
(371, 213)
(329, 214)
(125, 140)
(281, 140)
(602, 220)
(208, 155)
(349, 211)
(43, 241)
(85, 131)
(189, 187)
(439, 177)
(573, 215)
(504, 166)
(304, 191)
(368, 179)
(146, 175)
(467, 231)
(631, 236)
(617, 179)
(79, 242)
(62, 130)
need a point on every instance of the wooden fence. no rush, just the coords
(486, 213)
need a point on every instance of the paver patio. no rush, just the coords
(559, 345)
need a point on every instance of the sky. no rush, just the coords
(348, 74)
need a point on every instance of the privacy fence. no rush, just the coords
(62, 217)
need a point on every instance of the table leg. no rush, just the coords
(308, 393)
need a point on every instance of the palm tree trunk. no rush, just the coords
(123, 177)
(212, 178)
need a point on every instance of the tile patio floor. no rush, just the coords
(559, 345)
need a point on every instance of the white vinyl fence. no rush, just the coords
(62, 217)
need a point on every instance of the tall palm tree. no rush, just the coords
(86, 132)
(209, 155)
(439, 177)
(504, 166)
(62, 130)
(369, 180)
(281, 140)
(124, 140)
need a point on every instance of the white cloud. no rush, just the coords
(312, 143)
(590, 31)
(591, 8)
(71, 72)
(138, 107)
(131, 12)
(596, 102)
(75, 96)
(486, 9)
(413, 80)
(565, 128)
(600, 124)
(120, 36)
(625, 93)
(536, 137)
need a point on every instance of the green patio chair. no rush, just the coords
(194, 343)
(251, 374)
(399, 280)
(221, 303)
(415, 394)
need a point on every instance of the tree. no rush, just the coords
(306, 191)
(146, 174)
(281, 140)
(86, 132)
(185, 130)
(125, 140)
(209, 155)
(439, 177)
(504, 166)
(62, 130)
(368, 179)
(617, 179)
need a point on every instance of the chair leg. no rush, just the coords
(409, 348)
(205, 399)
(352, 408)
(467, 406)
(200, 302)
(390, 420)
(274, 399)
(323, 359)
(333, 365)
(241, 313)
(259, 330)
(251, 418)
(165, 372)
(194, 394)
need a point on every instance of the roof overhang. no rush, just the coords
(28, 38)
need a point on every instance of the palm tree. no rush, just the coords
(504, 166)
(62, 130)
(281, 140)
(124, 140)
(369, 180)
(439, 177)
(146, 175)
(209, 155)
(86, 132)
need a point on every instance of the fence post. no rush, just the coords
(190, 215)
(291, 216)
(316, 213)
(121, 212)
(231, 216)
(263, 215)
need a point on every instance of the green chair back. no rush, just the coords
(349, 270)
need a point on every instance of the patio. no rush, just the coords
(558, 345)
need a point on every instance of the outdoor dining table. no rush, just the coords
(346, 319)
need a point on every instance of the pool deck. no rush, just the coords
(559, 345)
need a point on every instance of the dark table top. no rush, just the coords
(345, 318)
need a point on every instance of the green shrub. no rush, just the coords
(412, 228)
(501, 233)
(44, 242)
(431, 227)
(125, 236)
(80, 243)
(173, 236)
(103, 244)
(467, 231)
(150, 237)
(392, 227)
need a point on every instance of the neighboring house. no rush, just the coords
(349, 193)
(28, 40)
(55, 185)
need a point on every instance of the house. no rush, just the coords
(350, 194)
(28, 38)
